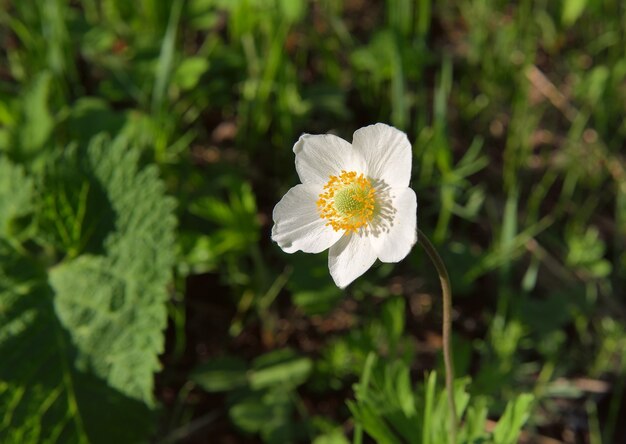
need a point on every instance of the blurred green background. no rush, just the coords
(143, 145)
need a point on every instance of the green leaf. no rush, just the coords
(251, 414)
(429, 400)
(587, 250)
(281, 367)
(190, 70)
(393, 313)
(80, 340)
(37, 121)
(221, 374)
(515, 416)
(321, 301)
(373, 423)
(90, 116)
(266, 411)
(165, 63)
(236, 219)
(596, 83)
(201, 14)
(43, 397)
(15, 195)
(461, 400)
(134, 273)
(292, 10)
(333, 437)
(475, 420)
(572, 10)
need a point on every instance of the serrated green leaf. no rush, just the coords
(118, 328)
(80, 343)
(43, 398)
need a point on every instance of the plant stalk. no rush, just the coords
(447, 325)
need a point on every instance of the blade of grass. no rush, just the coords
(166, 58)
(362, 388)
(423, 10)
(429, 402)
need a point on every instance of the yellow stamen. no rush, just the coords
(348, 201)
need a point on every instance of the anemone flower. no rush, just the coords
(354, 200)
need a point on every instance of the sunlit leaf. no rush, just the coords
(188, 73)
(514, 417)
(572, 10)
(80, 340)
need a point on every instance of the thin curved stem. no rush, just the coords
(447, 325)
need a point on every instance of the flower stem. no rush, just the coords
(447, 324)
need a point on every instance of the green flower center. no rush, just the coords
(351, 199)
(347, 201)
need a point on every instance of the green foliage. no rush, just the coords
(29, 121)
(515, 112)
(16, 195)
(221, 374)
(391, 411)
(572, 10)
(80, 337)
(515, 416)
(236, 219)
(262, 397)
(282, 367)
(587, 251)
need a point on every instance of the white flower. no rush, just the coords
(354, 199)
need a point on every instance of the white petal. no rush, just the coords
(297, 224)
(393, 244)
(349, 258)
(320, 156)
(387, 152)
